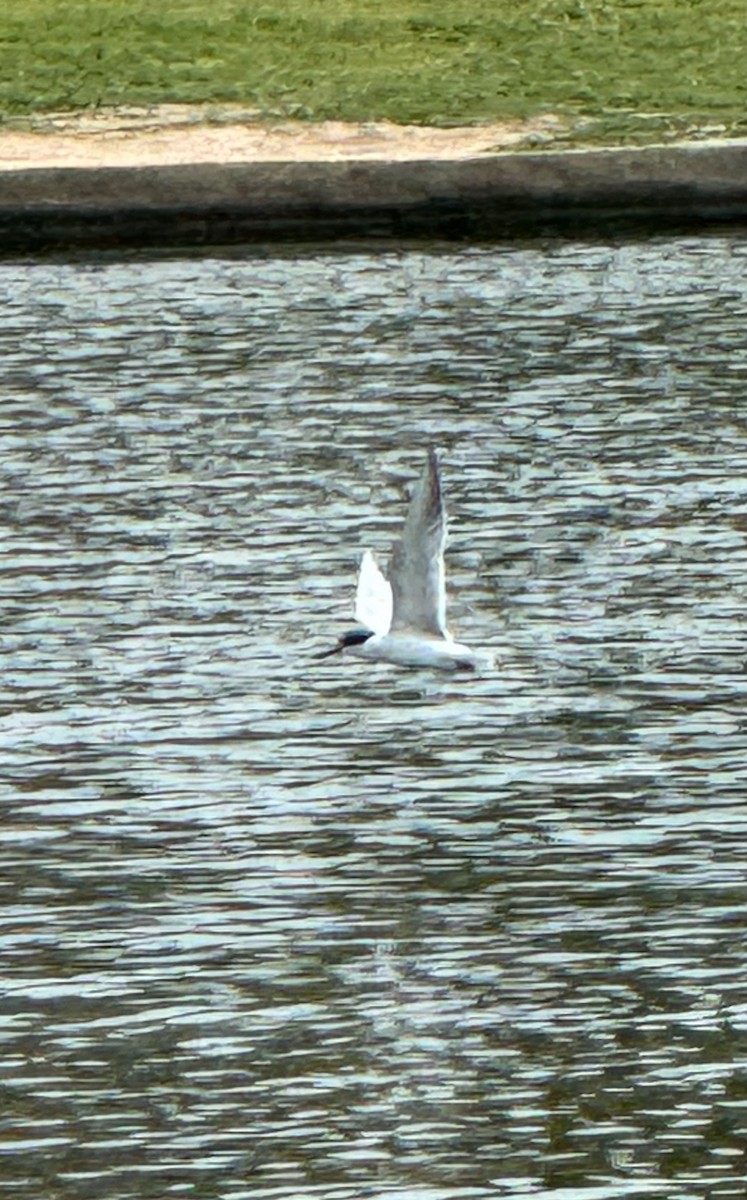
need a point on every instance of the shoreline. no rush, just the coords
(172, 179)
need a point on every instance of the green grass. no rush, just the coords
(628, 65)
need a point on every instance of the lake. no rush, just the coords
(290, 929)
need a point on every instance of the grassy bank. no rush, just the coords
(631, 67)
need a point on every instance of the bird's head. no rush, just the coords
(352, 637)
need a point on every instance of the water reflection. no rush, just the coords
(278, 928)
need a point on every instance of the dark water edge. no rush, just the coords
(61, 230)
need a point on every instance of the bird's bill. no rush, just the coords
(326, 653)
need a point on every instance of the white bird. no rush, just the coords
(405, 616)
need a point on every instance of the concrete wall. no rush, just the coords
(604, 191)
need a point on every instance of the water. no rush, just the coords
(280, 928)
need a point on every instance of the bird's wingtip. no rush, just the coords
(433, 465)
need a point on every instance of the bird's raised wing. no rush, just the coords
(373, 597)
(417, 566)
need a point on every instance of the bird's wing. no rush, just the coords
(373, 597)
(417, 567)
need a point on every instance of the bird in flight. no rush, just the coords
(403, 617)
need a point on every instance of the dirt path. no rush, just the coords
(175, 134)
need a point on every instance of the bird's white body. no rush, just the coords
(415, 650)
(404, 616)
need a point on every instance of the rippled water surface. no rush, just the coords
(290, 929)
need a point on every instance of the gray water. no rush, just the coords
(281, 928)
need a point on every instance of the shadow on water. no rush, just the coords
(281, 928)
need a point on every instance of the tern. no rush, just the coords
(403, 618)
